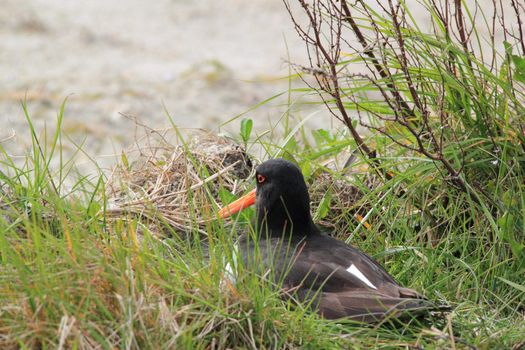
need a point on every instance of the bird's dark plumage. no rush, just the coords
(335, 278)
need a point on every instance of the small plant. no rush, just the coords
(246, 131)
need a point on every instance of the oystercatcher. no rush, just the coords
(333, 277)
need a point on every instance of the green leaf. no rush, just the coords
(246, 129)
(325, 134)
(291, 145)
(507, 228)
(124, 159)
(508, 47)
(289, 157)
(226, 196)
(93, 209)
(519, 63)
(324, 206)
(512, 284)
(519, 68)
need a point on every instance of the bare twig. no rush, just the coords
(396, 72)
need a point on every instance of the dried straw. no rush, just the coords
(177, 185)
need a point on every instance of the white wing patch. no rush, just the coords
(355, 271)
(229, 274)
(230, 270)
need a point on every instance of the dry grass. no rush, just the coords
(177, 185)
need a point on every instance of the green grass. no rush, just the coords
(73, 277)
(69, 277)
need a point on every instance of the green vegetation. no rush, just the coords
(436, 195)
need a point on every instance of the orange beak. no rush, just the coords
(235, 207)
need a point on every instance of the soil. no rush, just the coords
(203, 62)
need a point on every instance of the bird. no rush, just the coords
(330, 276)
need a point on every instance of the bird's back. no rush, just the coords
(333, 277)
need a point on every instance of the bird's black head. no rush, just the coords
(282, 200)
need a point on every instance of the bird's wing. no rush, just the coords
(323, 263)
(336, 293)
(368, 306)
(334, 266)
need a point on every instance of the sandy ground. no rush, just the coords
(202, 61)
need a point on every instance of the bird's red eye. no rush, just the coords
(260, 178)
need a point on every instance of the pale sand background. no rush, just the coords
(204, 60)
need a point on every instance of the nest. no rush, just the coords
(177, 186)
